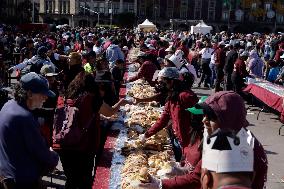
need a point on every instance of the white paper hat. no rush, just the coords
(169, 49)
(223, 153)
(177, 59)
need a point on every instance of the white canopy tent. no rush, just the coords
(201, 28)
(147, 26)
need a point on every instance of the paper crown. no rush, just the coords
(224, 152)
(177, 60)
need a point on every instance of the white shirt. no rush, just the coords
(206, 53)
(212, 61)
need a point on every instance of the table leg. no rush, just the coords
(262, 110)
(280, 129)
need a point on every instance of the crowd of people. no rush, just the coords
(84, 68)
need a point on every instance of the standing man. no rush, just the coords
(229, 67)
(113, 53)
(24, 155)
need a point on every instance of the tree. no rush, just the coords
(247, 3)
(278, 6)
(126, 19)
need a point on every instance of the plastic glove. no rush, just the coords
(142, 138)
(178, 171)
(154, 184)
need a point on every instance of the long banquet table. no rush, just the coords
(270, 94)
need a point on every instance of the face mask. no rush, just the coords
(162, 87)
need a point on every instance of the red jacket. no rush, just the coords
(278, 53)
(192, 179)
(146, 71)
(184, 49)
(175, 111)
(240, 68)
(220, 57)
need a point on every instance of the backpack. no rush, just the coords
(67, 133)
(33, 65)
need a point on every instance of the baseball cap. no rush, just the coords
(125, 48)
(48, 70)
(245, 53)
(36, 84)
(228, 107)
(197, 110)
(42, 50)
(169, 72)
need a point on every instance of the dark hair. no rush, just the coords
(20, 94)
(119, 61)
(81, 83)
(197, 128)
(99, 63)
(176, 90)
(188, 80)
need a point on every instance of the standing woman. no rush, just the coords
(239, 72)
(179, 98)
(78, 163)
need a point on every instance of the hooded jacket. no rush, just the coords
(255, 65)
(230, 109)
(114, 53)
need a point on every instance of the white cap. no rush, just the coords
(91, 35)
(169, 72)
(125, 48)
(225, 153)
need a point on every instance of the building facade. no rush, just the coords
(84, 12)
(18, 11)
(221, 14)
